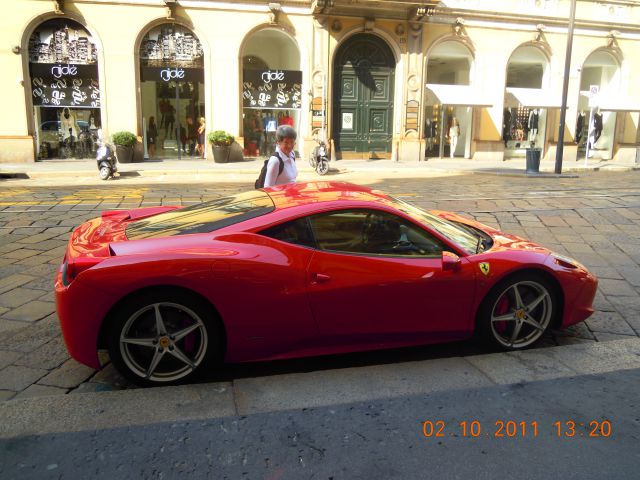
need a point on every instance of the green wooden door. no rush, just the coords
(363, 98)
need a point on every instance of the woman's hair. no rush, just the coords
(152, 120)
(201, 120)
(285, 131)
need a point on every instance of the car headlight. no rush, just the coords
(567, 262)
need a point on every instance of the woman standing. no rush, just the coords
(200, 148)
(152, 136)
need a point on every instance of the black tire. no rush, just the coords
(105, 173)
(509, 323)
(323, 167)
(189, 343)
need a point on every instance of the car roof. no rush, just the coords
(303, 193)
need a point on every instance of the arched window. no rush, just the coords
(526, 104)
(172, 91)
(595, 126)
(65, 89)
(271, 88)
(527, 67)
(449, 64)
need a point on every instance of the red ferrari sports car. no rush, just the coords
(301, 269)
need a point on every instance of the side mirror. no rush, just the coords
(450, 261)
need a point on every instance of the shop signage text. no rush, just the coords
(272, 89)
(70, 85)
(58, 71)
(167, 74)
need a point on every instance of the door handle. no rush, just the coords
(319, 278)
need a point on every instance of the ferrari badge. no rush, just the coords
(484, 267)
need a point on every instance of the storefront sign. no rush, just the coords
(65, 85)
(168, 74)
(272, 89)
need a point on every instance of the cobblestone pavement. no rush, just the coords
(594, 218)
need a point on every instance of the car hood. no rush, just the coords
(501, 240)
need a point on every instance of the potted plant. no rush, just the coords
(124, 142)
(221, 142)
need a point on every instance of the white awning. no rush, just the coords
(455, 95)
(531, 98)
(613, 103)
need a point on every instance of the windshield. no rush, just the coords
(203, 217)
(469, 241)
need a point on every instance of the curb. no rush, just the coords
(246, 396)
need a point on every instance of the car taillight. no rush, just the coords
(74, 267)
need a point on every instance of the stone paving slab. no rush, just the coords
(69, 375)
(18, 378)
(36, 390)
(31, 312)
(18, 296)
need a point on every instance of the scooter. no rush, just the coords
(319, 159)
(106, 159)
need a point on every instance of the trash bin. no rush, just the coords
(533, 160)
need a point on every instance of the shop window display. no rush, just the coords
(172, 90)
(595, 126)
(522, 128)
(271, 89)
(65, 90)
(447, 131)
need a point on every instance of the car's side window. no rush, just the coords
(296, 232)
(373, 232)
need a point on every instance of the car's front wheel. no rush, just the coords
(161, 338)
(518, 311)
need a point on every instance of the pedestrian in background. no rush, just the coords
(152, 136)
(200, 148)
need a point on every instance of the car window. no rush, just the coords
(466, 238)
(297, 232)
(372, 232)
(203, 217)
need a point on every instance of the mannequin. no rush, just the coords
(285, 119)
(534, 116)
(506, 126)
(580, 126)
(429, 132)
(454, 134)
(68, 125)
(597, 124)
(270, 126)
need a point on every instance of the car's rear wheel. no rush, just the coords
(161, 338)
(518, 311)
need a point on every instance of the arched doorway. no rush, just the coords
(271, 88)
(595, 127)
(363, 86)
(526, 103)
(447, 119)
(172, 90)
(65, 89)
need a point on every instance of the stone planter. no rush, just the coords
(124, 153)
(221, 153)
(138, 152)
